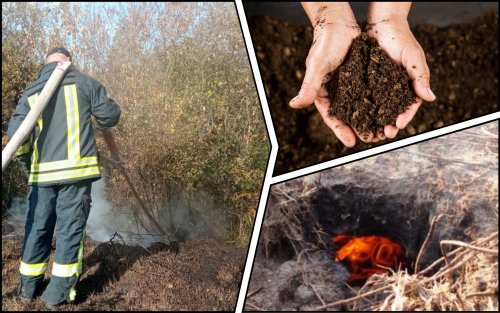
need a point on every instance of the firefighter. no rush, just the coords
(63, 163)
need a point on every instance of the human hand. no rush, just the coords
(335, 28)
(389, 26)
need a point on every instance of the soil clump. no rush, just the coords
(369, 90)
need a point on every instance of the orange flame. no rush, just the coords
(363, 255)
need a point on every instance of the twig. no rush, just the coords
(426, 241)
(461, 249)
(447, 271)
(11, 235)
(462, 261)
(116, 234)
(482, 294)
(254, 307)
(441, 259)
(253, 293)
(358, 294)
(336, 303)
(321, 235)
(466, 245)
(386, 302)
(299, 257)
(317, 294)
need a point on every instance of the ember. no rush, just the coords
(367, 255)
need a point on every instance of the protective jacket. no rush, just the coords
(62, 146)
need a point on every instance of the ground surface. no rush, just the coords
(463, 60)
(203, 275)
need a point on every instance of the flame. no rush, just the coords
(363, 255)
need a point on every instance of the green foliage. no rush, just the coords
(191, 119)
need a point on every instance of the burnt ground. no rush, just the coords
(395, 194)
(369, 90)
(463, 60)
(203, 275)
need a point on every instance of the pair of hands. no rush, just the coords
(335, 28)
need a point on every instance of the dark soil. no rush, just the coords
(369, 90)
(203, 275)
(462, 58)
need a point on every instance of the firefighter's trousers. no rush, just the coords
(64, 208)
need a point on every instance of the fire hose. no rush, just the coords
(113, 148)
(29, 122)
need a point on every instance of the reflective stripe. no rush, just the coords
(72, 291)
(63, 175)
(32, 269)
(72, 294)
(23, 149)
(64, 164)
(80, 249)
(66, 270)
(73, 120)
(32, 101)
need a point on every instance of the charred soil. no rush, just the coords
(201, 274)
(462, 58)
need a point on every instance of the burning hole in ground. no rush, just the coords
(308, 248)
(310, 253)
(302, 263)
(369, 232)
(359, 232)
(332, 238)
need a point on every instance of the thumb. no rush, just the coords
(313, 80)
(419, 73)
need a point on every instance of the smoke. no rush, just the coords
(183, 217)
(17, 209)
(15, 216)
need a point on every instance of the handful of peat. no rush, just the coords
(369, 90)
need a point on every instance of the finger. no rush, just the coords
(365, 137)
(380, 134)
(343, 132)
(404, 118)
(390, 131)
(315, 73)
(417, 69)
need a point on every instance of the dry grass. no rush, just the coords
(465, 279)
(284, 220)
(203, 276)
